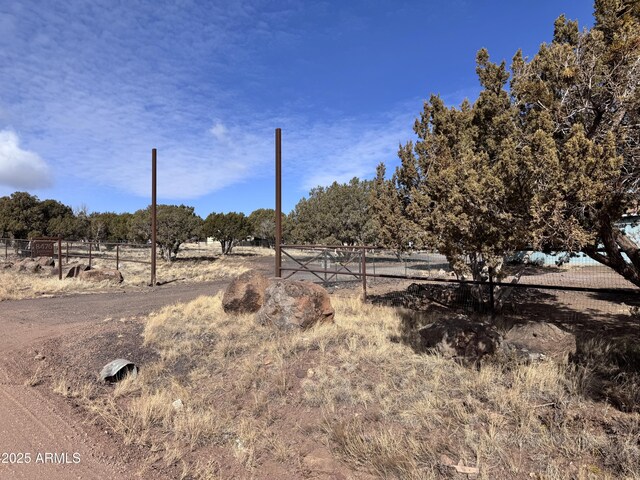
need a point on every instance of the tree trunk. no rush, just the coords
(616, 243)
(476, 263)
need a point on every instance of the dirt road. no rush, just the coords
(41, 436)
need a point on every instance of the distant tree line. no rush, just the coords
(337, 214)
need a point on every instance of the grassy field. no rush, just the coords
(19, 285)
(353, 399)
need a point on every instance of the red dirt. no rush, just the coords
(35, 423)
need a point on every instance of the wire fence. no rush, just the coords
(194, 260)
(559, 287)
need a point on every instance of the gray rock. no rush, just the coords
(28, 265)
(46, 261)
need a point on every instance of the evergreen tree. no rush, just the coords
(175, 223)
(227, 228)
(334, 215)
(552, 163)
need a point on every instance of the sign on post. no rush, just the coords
(42, 247)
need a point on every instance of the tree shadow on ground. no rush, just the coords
(195, 258)
(212, 257)
(607, 332)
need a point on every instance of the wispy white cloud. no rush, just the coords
(345, 148)
(21, 169)
(96, 85)
(219, 131)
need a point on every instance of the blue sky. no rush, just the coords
(88, 88)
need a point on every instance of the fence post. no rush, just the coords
(6, 247)
(89, 254)
(67, 252)
(324, 255)
(278, 203)
(154, 212)
(364, 274)
(59, 258)
(117, 257)
(491, 303)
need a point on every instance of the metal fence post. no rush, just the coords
(364, 274)
(374, 265)
(6, 247)
(324, 255)
(154, 225)
(67, 260)
(59, 258)
(278, 258)
(117, 257)
(89, 254)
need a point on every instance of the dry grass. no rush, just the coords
(196, 270)
(251, 395)
(19, 285)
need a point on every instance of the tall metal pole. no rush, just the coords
(153, 217)
(278, 201)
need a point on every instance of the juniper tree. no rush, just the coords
(551, 162)
(227, 228)
(334, 215)
(175, 225)
(263, 224)
(580, 97)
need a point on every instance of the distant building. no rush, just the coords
(630, 225)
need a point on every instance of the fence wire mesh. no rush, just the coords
(557, 287)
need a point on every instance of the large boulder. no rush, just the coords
(538, 340)
(245, 294)
(28, 265)
(294, 304)
(462, 338)
(99, 275)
